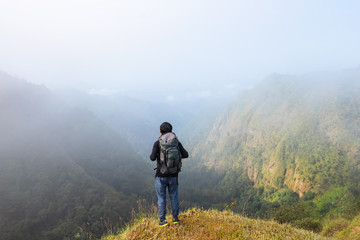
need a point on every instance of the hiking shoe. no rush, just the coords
(176, 220)
(162, 223)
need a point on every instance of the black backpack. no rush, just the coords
(170, 156)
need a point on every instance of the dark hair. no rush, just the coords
(165, 127)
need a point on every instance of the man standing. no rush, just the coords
(168, 152)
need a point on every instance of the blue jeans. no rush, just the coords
(161, 183)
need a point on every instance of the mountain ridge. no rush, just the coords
(63, 171)
(277, 118)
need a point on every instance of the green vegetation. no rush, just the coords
(286, 150)
(352, 231)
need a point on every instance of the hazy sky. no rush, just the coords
(190, 46)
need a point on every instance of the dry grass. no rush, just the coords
(212, 224)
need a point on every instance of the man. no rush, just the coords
(168, 152)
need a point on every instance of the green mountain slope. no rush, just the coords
(62, 171)
(287, 150)
(291, 132)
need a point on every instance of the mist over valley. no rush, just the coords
(263, 95)
(72, 159)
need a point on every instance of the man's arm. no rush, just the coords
(155, 151)
(184, 153)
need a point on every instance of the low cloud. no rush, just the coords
(103, 92)
(231, 86)
(170, 98)
(198, 94)
(204, 94)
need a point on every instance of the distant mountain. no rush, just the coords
(296, 132)
(138, 121)
(62, 170)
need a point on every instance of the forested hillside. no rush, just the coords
(290, 141)
(300, 133)
(62, 171)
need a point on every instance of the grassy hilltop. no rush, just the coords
(212, 224)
